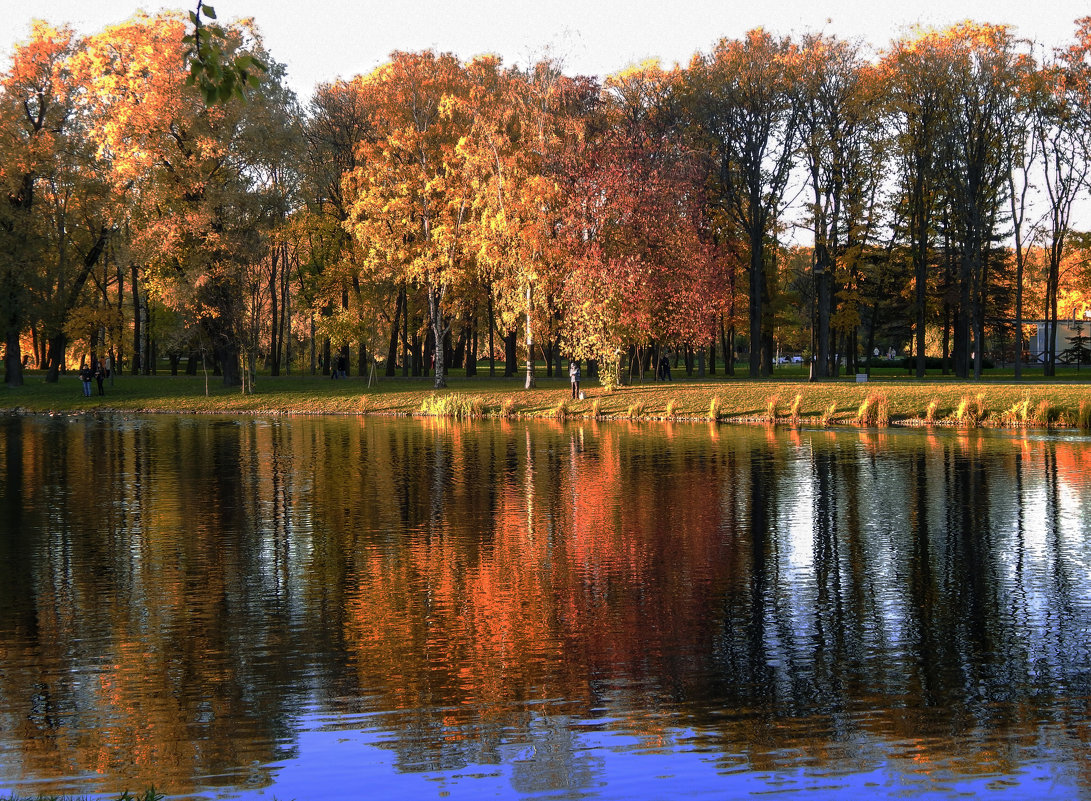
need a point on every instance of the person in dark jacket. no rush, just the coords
(574, 377)
(85, 377)
(100, 373)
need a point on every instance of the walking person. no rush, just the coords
(574, 377)
(85, 377)
(665, 366)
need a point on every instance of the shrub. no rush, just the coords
(971, 410)
(793, 412)
(1083, 416)
(930, 412)
(596, 408)
(1045, 414)
(1017, 414)
(874, 410)
(827, 416)
(507, 408)
(636, 410)
(453, 405)
(563, 409)
(771, 409)
(671, 410)
(714, 408)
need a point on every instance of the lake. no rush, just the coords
(315, 607)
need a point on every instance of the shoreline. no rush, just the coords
(883, 403)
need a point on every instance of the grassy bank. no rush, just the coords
(889, 400)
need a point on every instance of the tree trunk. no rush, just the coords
(962, 320)
(227, 354)
(530, 382)
(492, 329)
(471, 350)
(13, 359)
(824, 296)
(757, 284)
(392, 349)
(511, 365)
(274, 314)
(58, 343)
(138, 316)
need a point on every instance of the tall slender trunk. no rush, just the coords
(439, 332)
(137, 320)
(757, 284)
(274, 312)
(530, 381)
(471, 346)
(492, 329)
(511, 365)
(823, 279)
(13, 359)
(392, 349)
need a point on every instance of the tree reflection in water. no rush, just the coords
(178, 597)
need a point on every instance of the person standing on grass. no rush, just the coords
(574, 377)
(100, 373)
(85, 377)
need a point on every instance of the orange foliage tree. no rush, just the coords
(410, 202)
(644, 268)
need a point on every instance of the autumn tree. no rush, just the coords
(915, 70)
(187, 169)
(410, 203)
(340, 118)
(645, 271)
(985, 71)
(58, 199)
(744, 106)
(1060, 126)
(525, 124)
(843, 143)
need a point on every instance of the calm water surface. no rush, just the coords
(345, 608)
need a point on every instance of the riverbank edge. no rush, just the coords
(794, 404)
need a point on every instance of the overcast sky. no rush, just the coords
(321, 40)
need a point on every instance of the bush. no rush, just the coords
(793, 412)
(971, 411)
(874, 410)
(772, 407)
(1045, 414)
(1018, 413)
(454, 405)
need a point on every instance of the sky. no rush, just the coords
(322, 40)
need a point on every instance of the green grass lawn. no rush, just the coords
(833, 401)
